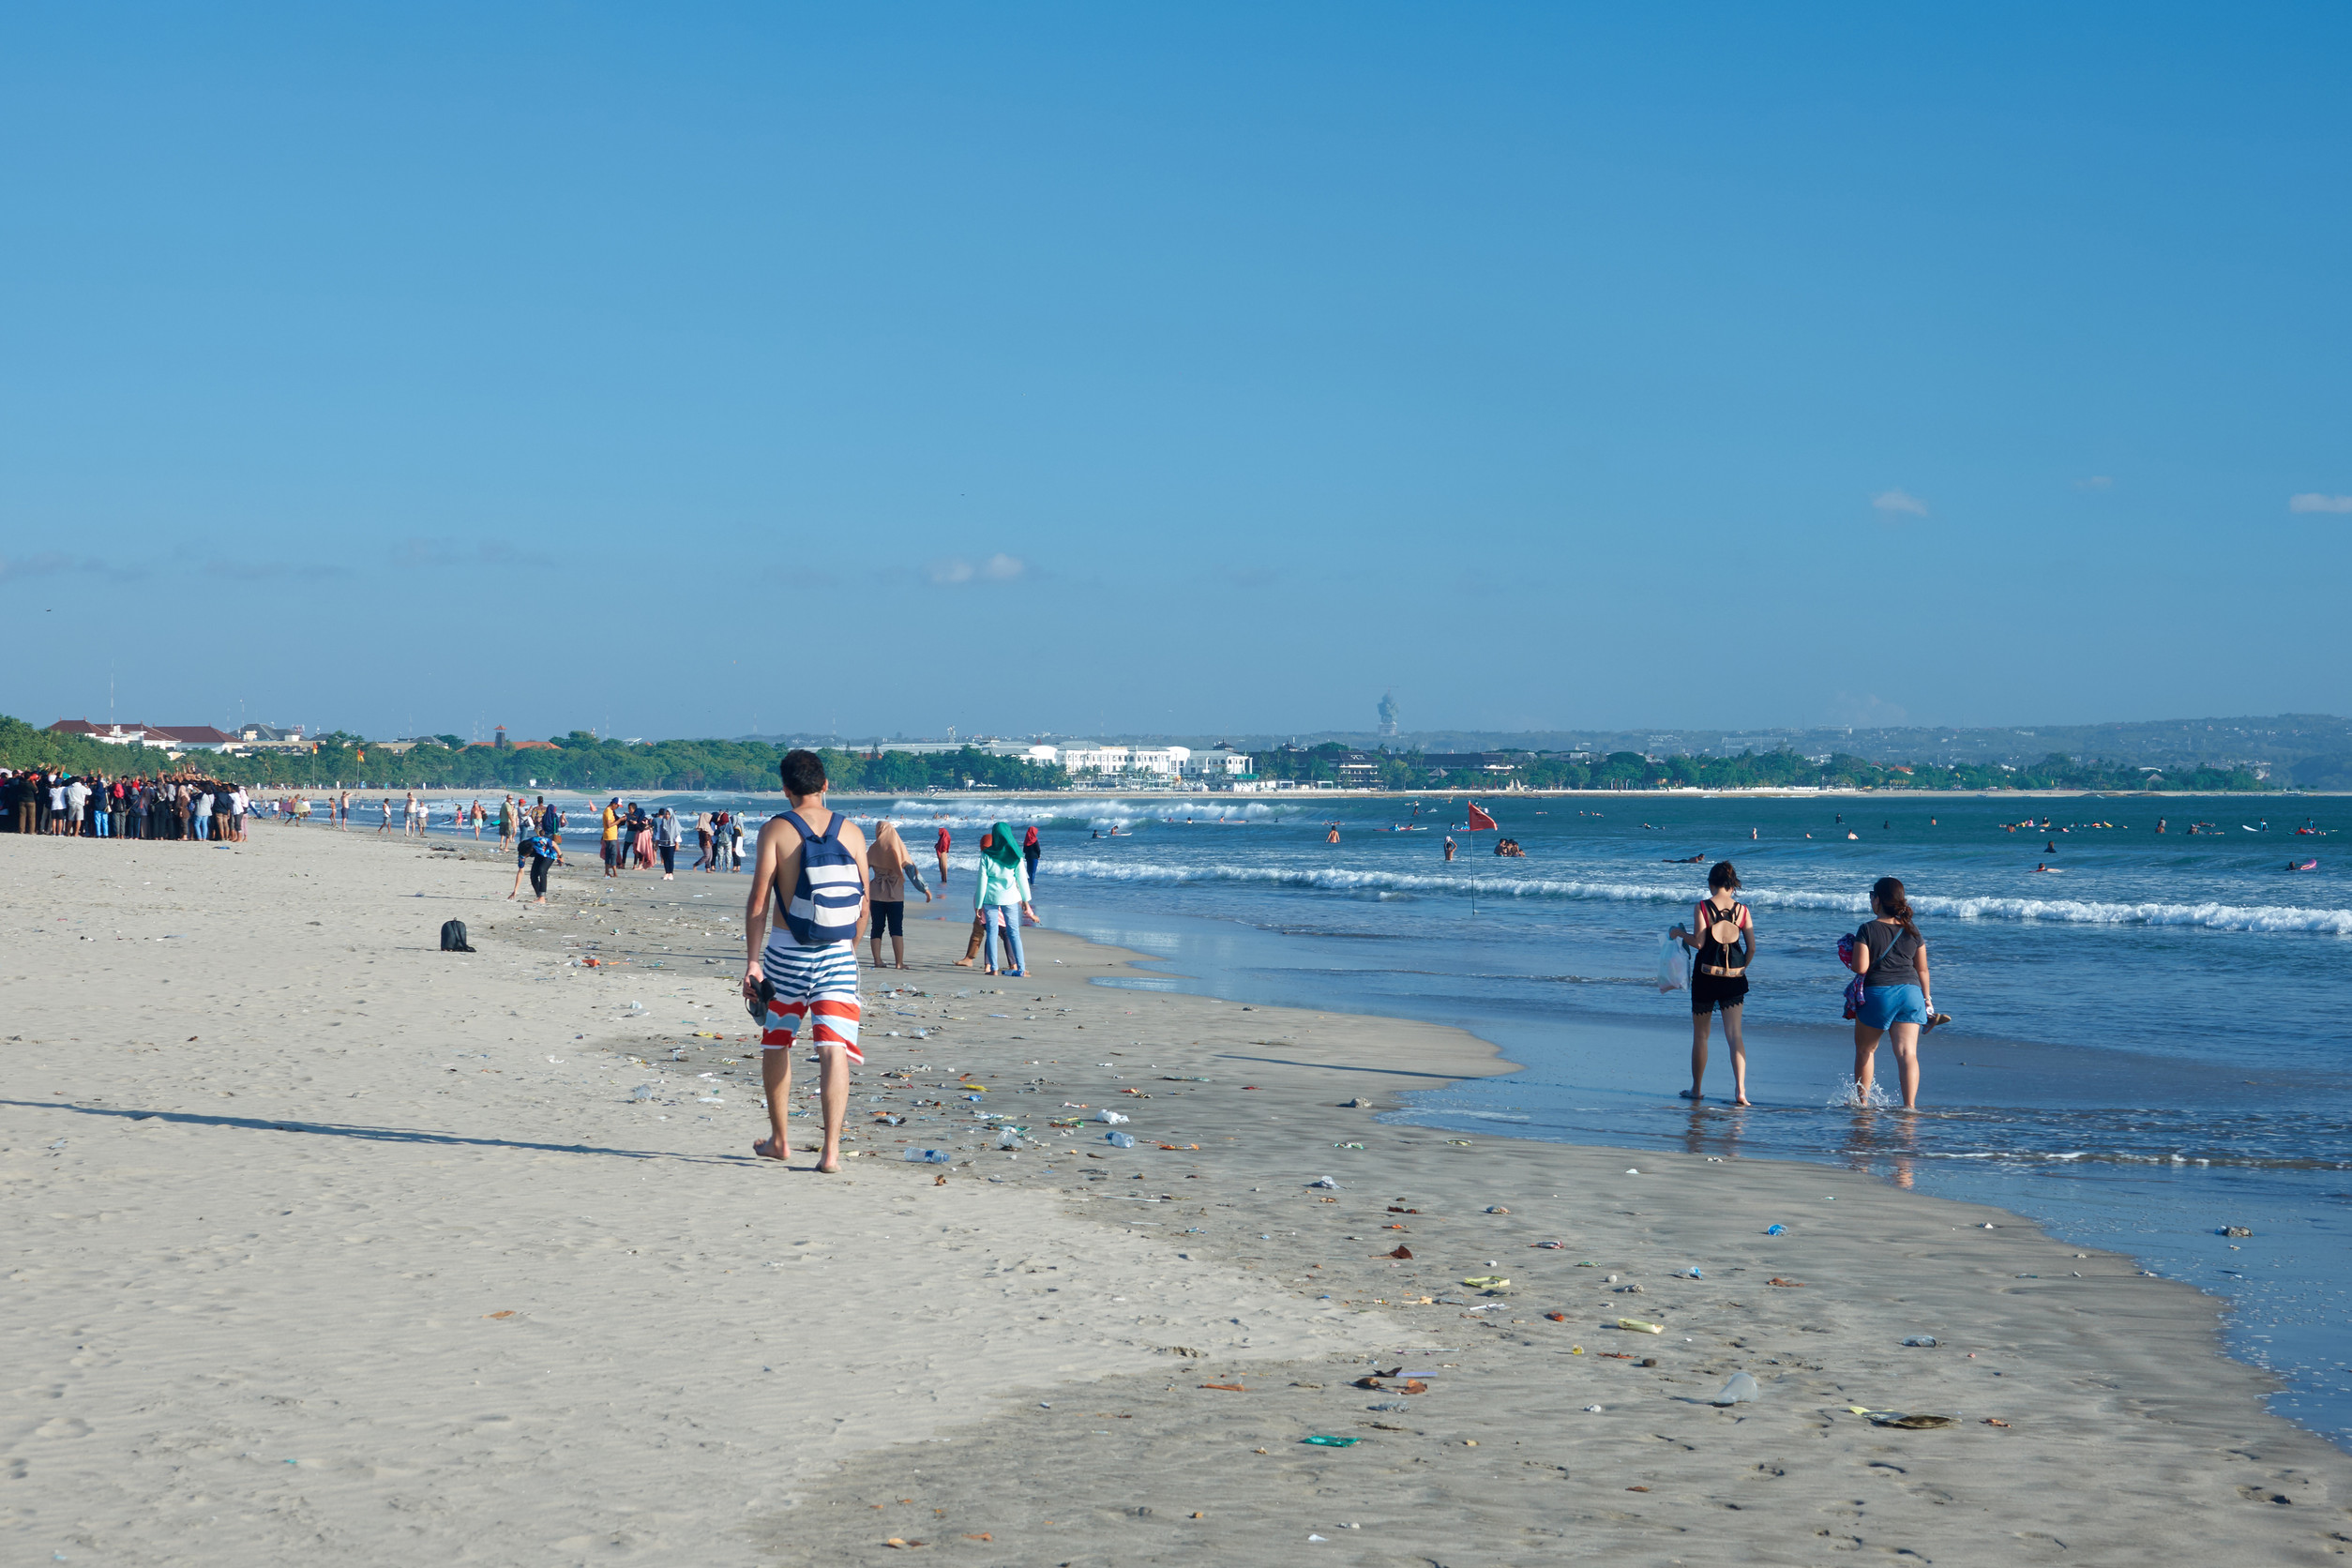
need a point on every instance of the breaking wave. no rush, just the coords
(2072, 912)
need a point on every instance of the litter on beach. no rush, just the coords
(1741, 1390)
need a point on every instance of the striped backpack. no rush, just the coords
(825, 899)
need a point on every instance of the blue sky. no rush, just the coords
(682, 369)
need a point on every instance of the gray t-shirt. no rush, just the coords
(1893, 954)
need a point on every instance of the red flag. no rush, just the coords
(1479, 820)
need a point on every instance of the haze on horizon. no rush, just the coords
(1050, 368)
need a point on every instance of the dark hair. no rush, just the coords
(1722, 876)
(1892, 905)
(804, 773)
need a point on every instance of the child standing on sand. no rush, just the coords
(805, 969)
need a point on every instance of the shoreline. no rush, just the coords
(647, 1287)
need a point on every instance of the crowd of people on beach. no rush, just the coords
(182, 806)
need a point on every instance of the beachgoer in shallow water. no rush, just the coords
(809, 871)
(1723, 936)
(1449, 846)
(1030, 849)
(1897, 998)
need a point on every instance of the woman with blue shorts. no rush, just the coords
(1891, 959)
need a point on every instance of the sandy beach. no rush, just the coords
(329, 1246)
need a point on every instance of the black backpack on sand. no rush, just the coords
(453, 937)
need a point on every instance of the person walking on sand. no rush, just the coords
(1891, 959)
(1724, 935)
(666, 835)
(979, 915)
(887, 897)
(805, 969)
(701, 840)
(1001, 894)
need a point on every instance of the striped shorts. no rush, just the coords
(817, 984)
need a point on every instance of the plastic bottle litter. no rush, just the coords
(927, 1156)
(1109, 1117)
(1009, 1137)
(1696, 1274)
(1323, 1181)
(1775, 1229)
(1321, 1441)
(1741, 1390)
(1922, 1342)
(1120, 1140)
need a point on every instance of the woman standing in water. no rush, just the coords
(1726, 942)
(1892, 957)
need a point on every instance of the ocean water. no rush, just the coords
(2151, 1042)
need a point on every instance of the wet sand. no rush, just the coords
(331, 1246)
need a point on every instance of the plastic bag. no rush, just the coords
(1674, 964)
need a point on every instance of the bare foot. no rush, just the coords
(768, 1149)
(963, 963)
(1743, 1100)
(831, 1164)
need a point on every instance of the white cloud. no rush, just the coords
(2312, 501)
(1895, 500)
(2096, 482)
(955, 570)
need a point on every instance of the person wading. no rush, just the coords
(1724, 944)
(1891, 959)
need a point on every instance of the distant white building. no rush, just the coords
(1162, 761)
(1219, 762)
(1095, 759)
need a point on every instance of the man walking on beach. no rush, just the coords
(805, 970)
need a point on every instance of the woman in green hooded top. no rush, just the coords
(1001, 895)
